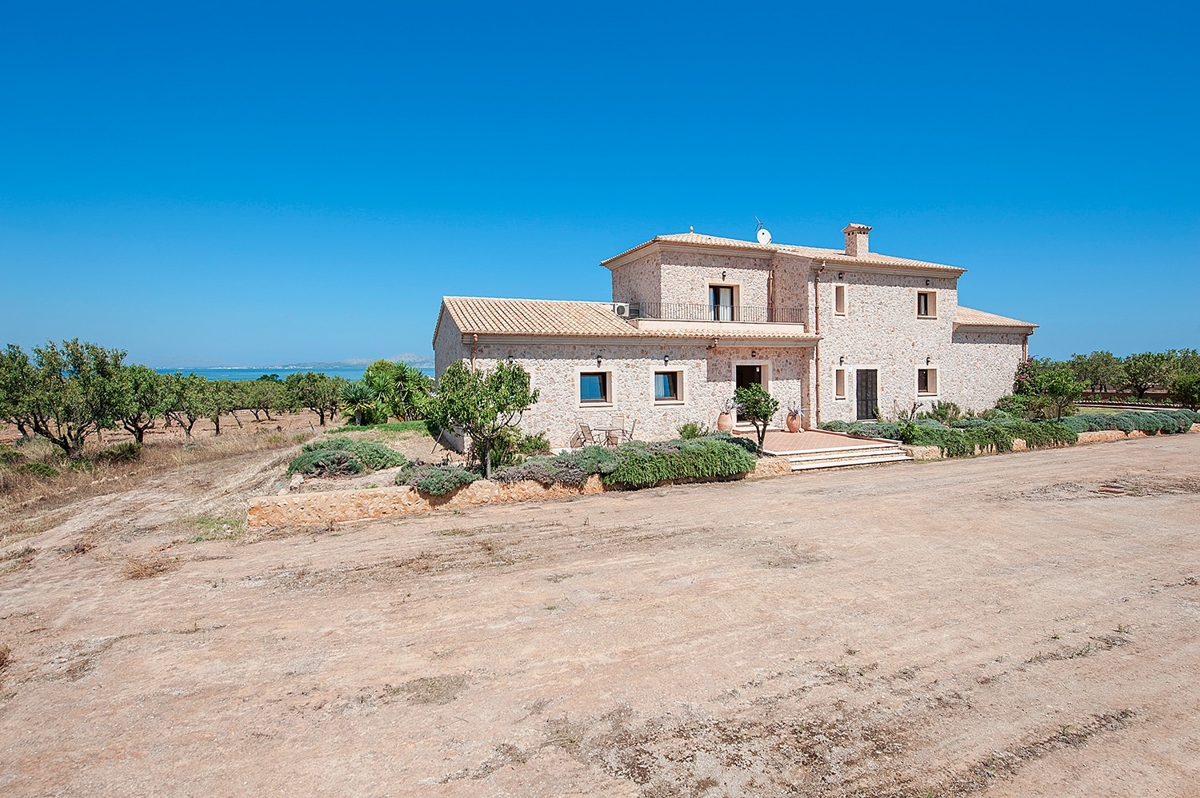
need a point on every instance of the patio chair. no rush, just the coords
(586, 436)
(616, 430)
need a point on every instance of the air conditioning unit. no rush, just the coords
(621, 309)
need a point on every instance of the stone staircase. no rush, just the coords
(868, 453)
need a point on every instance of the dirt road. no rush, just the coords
(1015, 625)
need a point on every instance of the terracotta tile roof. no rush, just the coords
(535, 317)
(550, 317)
(816, 253)
(969, 317)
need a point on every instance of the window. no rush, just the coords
(839, 300)
(927, 381)
(720, 300)
(839, 384)
(666, 386)
(926, 304)
(593, 387)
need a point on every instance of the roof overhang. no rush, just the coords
(750, 250)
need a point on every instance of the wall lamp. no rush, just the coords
(666, 360)
(928, 360)
(510, 360)
(841, 361)
(722, 275)
(598, 359)
(841, 275)
(927, 282)
(753, 353)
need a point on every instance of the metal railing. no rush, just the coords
(686, 311)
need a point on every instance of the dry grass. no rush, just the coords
(5, 656)
(22, 491)
(147, 567)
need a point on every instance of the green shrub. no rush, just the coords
(643, 464)
(568, 468)
(835, 426)
(537, 443)
(127, 452)
(326, 463)
(10, 456)
(1017, 406)
(376, 456)
(691, 430)
(373, 456)
(434, 479)
(40, 470)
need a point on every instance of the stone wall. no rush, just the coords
(708, 381)
(315, 509)
(638, 281)
(880, 330)
(981, 367)
(686, 277)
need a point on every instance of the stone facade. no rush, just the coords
(707, 383)
(805, 339)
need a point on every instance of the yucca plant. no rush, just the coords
(358, 398)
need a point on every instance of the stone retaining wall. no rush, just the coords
(335, 506)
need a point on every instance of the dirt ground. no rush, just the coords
(1018, 625)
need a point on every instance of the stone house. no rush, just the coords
(837, 334)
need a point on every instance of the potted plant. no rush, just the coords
(725, 419)
(793, 420)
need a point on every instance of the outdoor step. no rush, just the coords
(813, 465)
(844, 454)
(863, 447)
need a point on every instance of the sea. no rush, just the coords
(351, 373)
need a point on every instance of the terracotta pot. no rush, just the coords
(724, 422)
(793, 422)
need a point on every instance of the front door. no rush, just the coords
(748, 375)
(866, 389)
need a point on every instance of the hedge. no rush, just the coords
(964, 437)
(435, 479)
(638, 464)
(1165, 421)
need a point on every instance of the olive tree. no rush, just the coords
(316, 391)
(17, 379)
(482, 404)
(77, 389)
(190, 399)
(146, 399)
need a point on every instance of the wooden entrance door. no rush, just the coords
(745, 376)
(866, 390)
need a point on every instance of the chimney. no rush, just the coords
(856, 239)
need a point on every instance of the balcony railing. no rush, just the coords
(685, 311)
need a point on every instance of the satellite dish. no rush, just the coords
(764, 235)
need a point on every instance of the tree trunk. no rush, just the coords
(235, 418)
(217, 424)
(321, 413)
(358, 418)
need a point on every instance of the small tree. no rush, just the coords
(1146, 370)
(1049, 386)
(147, 398)
(482, 404)
(1185, 389)
(77, 391)
(758, 407)
(314, 390)
(1099, 370)
(191, 398)
(17, 381)
(224, 396)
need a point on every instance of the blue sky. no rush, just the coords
(253, 184)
